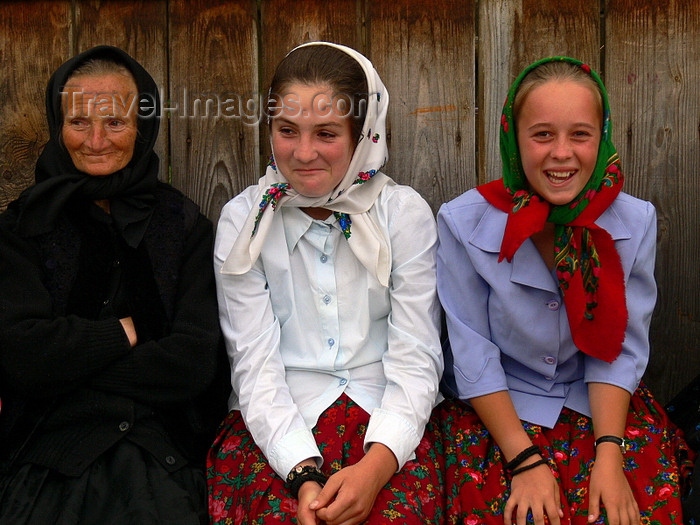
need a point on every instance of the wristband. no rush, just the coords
(611, 439)
(528, 467)
(527, 453)
(300, 475)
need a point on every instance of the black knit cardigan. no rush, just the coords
(71, 386)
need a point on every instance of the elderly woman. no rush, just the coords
(108, 318)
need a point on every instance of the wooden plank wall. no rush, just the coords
(447, 65)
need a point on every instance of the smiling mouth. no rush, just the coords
(558, 177)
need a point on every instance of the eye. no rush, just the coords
(116, 124)
(77, 123)
(286, 131)
(582, 135)
(327, 135)
(542, 135)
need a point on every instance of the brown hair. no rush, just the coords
(558, 72)
(323, 64)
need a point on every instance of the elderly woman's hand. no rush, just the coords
(130, 330)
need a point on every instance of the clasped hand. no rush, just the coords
(349, 494)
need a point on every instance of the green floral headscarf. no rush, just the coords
(587, 264)
(513, 175)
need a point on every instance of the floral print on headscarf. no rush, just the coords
(350, 201)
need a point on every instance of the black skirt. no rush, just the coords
(125, 486)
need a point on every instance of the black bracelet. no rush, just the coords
(611, 439)
(527, 453)
(528, 467)
(300, 475)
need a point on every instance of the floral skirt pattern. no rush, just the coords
(243, 488)
(658, 464)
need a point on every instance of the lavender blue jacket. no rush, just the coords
(507, 322)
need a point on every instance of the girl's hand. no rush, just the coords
(536, 490)
(349, 494)
(609, 486)
(308, 492)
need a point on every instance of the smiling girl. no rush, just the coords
(547, 280)
(327, 299)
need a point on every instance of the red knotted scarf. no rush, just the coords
(588, 265)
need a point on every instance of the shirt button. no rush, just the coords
(170, 460)
(124, 426)
(324, 258)
(343, 381)
(548, 378)
(326, 299)
(105, 302)
(331, 342)
(116, 263)
(553, 305)
(550, 360)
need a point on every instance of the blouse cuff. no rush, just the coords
(393, 431)
(625, 372)
(293, 448)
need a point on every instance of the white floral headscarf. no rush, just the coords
(350, 200)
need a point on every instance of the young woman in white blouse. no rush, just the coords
(327, 297)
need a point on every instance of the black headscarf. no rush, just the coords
(129, 190)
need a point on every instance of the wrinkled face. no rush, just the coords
(559, 131)
(311, 139)
(99, 122)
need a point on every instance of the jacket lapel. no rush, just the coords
(527, 266)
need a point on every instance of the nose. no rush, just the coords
(305, 150)
(96, 138)
(561, 148)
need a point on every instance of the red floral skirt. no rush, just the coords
(658, 464)
(243, 488)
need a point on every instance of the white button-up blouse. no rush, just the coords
(308, 322)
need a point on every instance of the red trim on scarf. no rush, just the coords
(610, 315)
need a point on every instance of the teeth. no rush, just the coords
(559, 175)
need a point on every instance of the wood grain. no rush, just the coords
(424, 52)
(213, 68)
(33, 43)
(653, 75)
